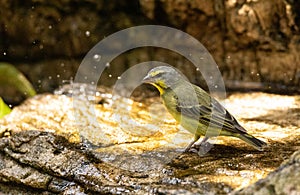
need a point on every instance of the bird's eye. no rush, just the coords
(157, 74)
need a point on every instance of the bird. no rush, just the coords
(195, 110)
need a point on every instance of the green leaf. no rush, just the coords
(9, 75)
(4, 109)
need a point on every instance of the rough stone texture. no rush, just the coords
(284, 180)
(108, 159)
(251, 41)
(41, 161)
(48, 163)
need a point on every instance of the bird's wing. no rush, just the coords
(209, 112)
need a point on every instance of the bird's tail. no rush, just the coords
(251, 140)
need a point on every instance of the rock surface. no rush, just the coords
(45, 147)
(284, 180)
(250, 40)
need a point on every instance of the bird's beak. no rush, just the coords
(147, 79)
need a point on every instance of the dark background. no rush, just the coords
(255, 43)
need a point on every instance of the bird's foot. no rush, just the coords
(204, 148)
(188, 149)
(201, 149)
(193, 150)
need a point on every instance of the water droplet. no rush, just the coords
(228, 57)
(216, 86)
(95, 67)
(50, 77)
(109, 75)
(107, 64)
(118, 77)
(201, 58)
(41, 46)
(87, 33)
(4, 53)
(39, 81)
(257, 74)
(50, 26)
(62, 64)
(197, 69)
(85, 78)
(58, 76)
(97, 57)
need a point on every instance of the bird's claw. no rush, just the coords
(204, 148)
(201, 149)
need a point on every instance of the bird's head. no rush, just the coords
(162, 77)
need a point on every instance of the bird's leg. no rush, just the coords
(196, 138)
(203, 141)
(204, 147)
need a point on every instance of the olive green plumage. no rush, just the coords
(195, 109)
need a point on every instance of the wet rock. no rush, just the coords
(47, 162)
(10, 189)
(76, 154)
(284, 180)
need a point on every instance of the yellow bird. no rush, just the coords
(195, 109)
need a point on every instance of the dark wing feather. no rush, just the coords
(203, 112)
